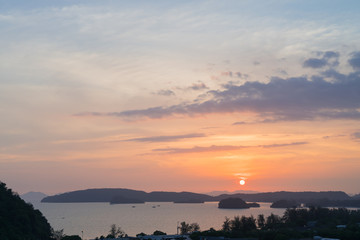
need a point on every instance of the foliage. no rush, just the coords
(260, 221)
(115, 232)
(226, 225)
(186, 228)
(296, 223)
(141, 234)
(19, 220)
(57, 234)
(72, 237)
(157, 232)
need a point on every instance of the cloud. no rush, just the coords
(241, 75)
(280, 99)
(327, 95)
(315, 63)
(239, 123)
(354, 61)
(328, 58)
(165, 92)
(220, 148)
(198, 86)
(356, 135)
(197, 149)
(166, 138)
(194, 87)
(283, 145)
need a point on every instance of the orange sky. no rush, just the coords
(180, 97)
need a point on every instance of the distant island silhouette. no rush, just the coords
(281, 199)
(236, 203)
(285, 204)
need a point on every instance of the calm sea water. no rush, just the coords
(94, 219)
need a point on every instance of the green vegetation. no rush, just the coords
(72, 237)
(187, 228)
(19, 220)
(157, 233)
(114, 232)
(296, 223)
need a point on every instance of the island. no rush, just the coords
(236, 203)
(125, 200)
(194, 200)
(285, 204)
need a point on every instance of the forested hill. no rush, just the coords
(276, 196)
(19, 220)
(109, 194)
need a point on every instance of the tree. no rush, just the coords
(57, 234)
(235, 224)
(272, 221)
(194, 227)
(186, 228)
(19, 220)
(248, 223)
(226, 225)
(72, 237)
(140, 234)
(115, 232)
(260, 221)
(157, 232)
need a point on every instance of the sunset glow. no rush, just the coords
(180, 96)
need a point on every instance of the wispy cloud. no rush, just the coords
(283, 145)
(221, 148)
(356, 136)
(170, 138)
(165, 92)
(198, 86)
(197, 149)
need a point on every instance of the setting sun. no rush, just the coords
(242, 182)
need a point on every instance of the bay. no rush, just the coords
(94, 219)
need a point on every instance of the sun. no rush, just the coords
(242, 182)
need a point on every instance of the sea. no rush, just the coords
(91, 220)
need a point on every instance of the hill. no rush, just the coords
(33, 197)
(121, 195)
(283, 195)
(19, 220)
(95, 195)
(109, 194)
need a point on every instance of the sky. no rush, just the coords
(180, 95)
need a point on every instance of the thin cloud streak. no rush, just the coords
(220, 148)
(171, 138)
